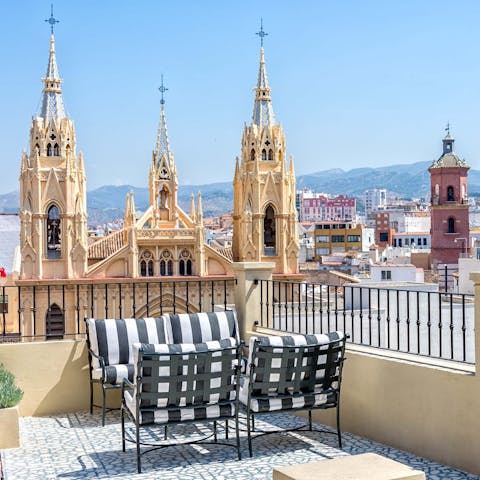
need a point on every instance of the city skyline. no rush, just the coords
(376, 75)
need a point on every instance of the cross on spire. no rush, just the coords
(52, 20)
(261, 33)
(447, 128)
(162, 89)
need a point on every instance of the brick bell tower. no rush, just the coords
(449, 209)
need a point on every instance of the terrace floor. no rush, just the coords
(75, 446)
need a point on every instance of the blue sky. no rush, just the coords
(354, 83)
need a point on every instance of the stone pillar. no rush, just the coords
(475, 278)
(247, 292)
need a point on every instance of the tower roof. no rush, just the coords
(262, 109)
(449, 158)
(162, 146)
(52, 100)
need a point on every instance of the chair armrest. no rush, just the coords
(100, 360)
(128, 383)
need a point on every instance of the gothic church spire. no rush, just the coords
(162, 146)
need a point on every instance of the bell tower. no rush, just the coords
(53, 238)
(449, 210)
(163, 181)
(264, 216)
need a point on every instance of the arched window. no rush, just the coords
(56, 150)
(450, 195)
(54, 323)
(37, 149)
(252, 155)
(264, 154)
(146, 264)
(451, 225)
(185, 263)
(54, 238)
(166, 263)
(269, 231)
(49, 150)
(270, 154)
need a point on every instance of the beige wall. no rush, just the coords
(53, 375)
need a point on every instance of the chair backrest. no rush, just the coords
(113, 339)
(203, 327)
(174, 375)
(295, 365)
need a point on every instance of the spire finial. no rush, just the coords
(261, 33)
(52, 20)
(447, 128)
(162, 89)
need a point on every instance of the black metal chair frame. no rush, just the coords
(101, 381)
(300, 380)
(153, 361)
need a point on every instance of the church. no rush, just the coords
(164, 240)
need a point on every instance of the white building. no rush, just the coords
(374, 199)
(394, 272)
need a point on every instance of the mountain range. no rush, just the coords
(107, 203)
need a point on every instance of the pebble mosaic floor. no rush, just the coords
(75, 446)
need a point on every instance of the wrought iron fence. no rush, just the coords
(423, 322)
(43, 311)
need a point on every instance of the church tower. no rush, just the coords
(264, 214)
(163, 183)
(53, 216)
(449, 210)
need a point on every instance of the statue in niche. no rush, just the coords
(163, 197)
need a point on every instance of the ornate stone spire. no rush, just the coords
(162, 146)
(52, 100)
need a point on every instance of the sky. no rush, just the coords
(354, 83)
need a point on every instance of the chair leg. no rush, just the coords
(104, 401)
(123, 429)
(310, 420)
(91, 397)
(165, 433)
(137, 438)
(237, 432)
(215, 431)
(226, 429)
(253, 423)
(249, 435)
(339, 432)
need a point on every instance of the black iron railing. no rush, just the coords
(56, 310)
(423, 322)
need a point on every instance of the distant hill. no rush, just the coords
(107, 203)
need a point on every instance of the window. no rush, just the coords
(419, 241)
(386, 275)
(166, 263)
(270, 154)
(54, 239)
(384, 236)
(252, 155)
(399, 242)
(269, 231)
(56, 151)
(322, 251)
(49, 150)
(338, 238)
(146, 264)
(451, 225)
(353, 238)
(394, 242)
(54, 323)
(424, 241)
(264, 154)
(185, 263)
(450, 195)
(322, 238)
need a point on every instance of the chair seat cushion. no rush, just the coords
(115, 373)
(179, 414)
(283, 402)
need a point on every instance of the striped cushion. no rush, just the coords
(115, 373)
(203, 327)
(112, 339)
(176, 415)
(165, 386)
(267, 394)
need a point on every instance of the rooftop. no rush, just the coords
(76, 446)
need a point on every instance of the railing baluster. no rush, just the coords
(379, 342)
(321, 308)
(336, 307)
(134, 300)
(388, 317)
(174, 299)
(464, 329)
(147, 292)
(305, 286)
(353, 314)
(313, 309)
(328, 308)
(225, 295)
(418, 322)
(451, 326)
(200, 296)
(120, 300)
(106, 300)
(369, 316)
(361, 315)
(268, 302)
(187, 283)
(429, 325)
(4, 306)
(292, 312)
(77, 307)
(408, 321)
(92, 312)
(20, 310)
(440, 324)
(34, 310)
(49, 310)
(398, 320)
(213, 295)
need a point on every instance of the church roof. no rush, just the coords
(449, 158)
(262, 109)
(52, 100)
(162, 146)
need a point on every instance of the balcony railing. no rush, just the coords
(410, 320)
(55, 310)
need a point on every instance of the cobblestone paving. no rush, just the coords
(76, 446)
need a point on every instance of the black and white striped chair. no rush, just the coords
(297, 372)
(110, 347)
(182, 383)
(202, 327)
